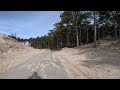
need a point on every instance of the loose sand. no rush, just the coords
(93, 63)
(13, 53)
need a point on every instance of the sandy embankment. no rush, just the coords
(94, 63)
(13, 53)
(11, 59)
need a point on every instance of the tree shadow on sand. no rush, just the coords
(101, 57)
(34, 76)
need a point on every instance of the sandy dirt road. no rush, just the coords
(44, 64)
(86, 63)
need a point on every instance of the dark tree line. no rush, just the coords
(78, 28)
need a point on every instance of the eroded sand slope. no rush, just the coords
(13, 53)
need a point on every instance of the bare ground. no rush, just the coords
(12, 59)
(13, 53)
(87, 62)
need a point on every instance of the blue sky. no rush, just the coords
(28, 24)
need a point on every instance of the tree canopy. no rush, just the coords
(77, 28)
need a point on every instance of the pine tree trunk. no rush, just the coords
(98, 36)
(67, 39)
(115, 34)
(102, 34)
(80, 36)
(72, 41)
(116, 37)
(77, 34)
(118, 21)
(87, 37)
(61, 42)
(94, 29)
(119, 29)
(77, 38)
(57, 43)
(87, 33)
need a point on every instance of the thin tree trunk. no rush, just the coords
(61, 42)
(57, 42)
(94, 29)
(77, 34)
(67, 40)
(87, 37)
(116, 37)
(119, 29)
(77, 38)
(115, 34)
(87, 33)
(98, 36)
(102, 33)
(118, 22)
(72, 41)
(80, 35)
